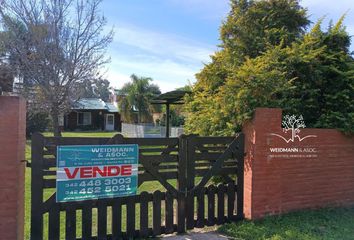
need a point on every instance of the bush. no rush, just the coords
(36, 122)
(175, 119)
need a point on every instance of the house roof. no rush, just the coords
(111, 107)
(94, 104)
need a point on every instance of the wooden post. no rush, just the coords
(37, 186)
(181, 181)
(190, 177)
(167, 120)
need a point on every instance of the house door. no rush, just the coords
(109, 122)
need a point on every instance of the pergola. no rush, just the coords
(168, 98)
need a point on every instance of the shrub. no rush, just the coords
(36, 122)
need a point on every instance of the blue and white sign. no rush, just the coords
(96, 171)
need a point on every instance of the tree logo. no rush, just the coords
(293, 124)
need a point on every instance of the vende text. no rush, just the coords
(98, 171)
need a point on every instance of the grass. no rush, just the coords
(153, 131)
(83, 134)
(28, 192)
(324, 224)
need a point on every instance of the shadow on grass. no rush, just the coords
(323, 224)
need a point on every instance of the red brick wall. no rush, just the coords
(12, 151)
(286, 181)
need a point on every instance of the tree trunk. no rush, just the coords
(55, 118)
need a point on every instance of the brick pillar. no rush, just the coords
(259, 191)
(12, 168)
(285, 173)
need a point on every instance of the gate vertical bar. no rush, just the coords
(181, 180)
(37, 186)
(117, 205)
(240, 171)
(190, 176)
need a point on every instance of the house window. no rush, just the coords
(83, 118)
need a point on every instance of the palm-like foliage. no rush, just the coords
(136, 97)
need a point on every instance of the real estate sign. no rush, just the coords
(96, 171)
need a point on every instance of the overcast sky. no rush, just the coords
(171, 40)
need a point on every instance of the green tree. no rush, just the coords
(136, 99)
(253, 26)
(303, 73)
(6, 77)
(176, 119)
(6, 72)
(97, 88)
(56, 45)
(324, 87)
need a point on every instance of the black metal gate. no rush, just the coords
(183, 166)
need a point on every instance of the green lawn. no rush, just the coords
(28, 192)
(83, 134)
(324, 224)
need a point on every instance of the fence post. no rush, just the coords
(37, 186)
(181, 182)
(190, 177)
